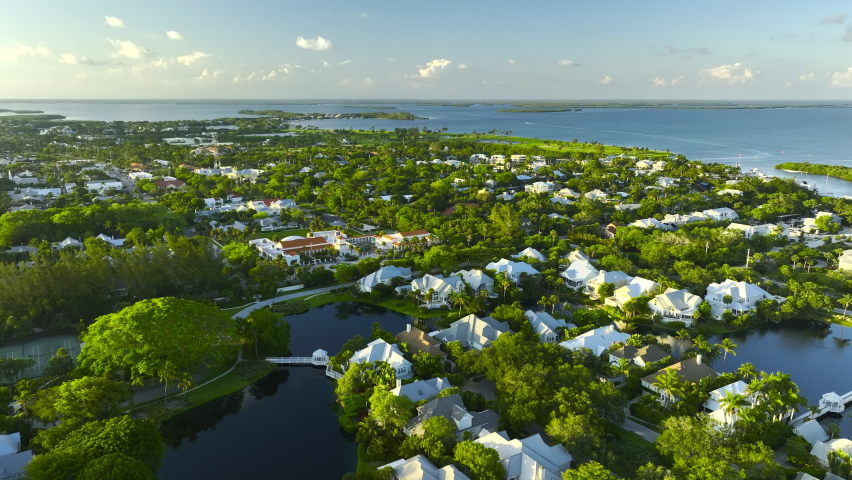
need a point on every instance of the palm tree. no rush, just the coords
(833, 430)
(681, 335)
(635, 340)
(544, 302)
(845, 300)
(668, 385)
(732, 403)
(727, 346)
(553, 300)
(622, 367)
(747, 371)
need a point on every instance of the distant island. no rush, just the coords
(325, 116)
(369, 106)
(539, 110)
(20, 112)
(836, 171)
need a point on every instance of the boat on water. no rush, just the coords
(792, 171)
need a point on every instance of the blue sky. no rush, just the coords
(461, 49)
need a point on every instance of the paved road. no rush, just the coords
(643, 432)
(244, 312)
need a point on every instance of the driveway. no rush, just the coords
(643, 432)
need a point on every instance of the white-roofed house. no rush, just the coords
(436, 289)
(513, 270)
(540, 187)
(729, 191)
(676, 306)
(721, 214)
(115, 242)
(472, 332)
(578, 273)
(811, 431)
(751, 230)
(476, 279)
(68, 242)
(419, 467)
(546, 326)
(617, 278)
(714, 402)
(382, 351)
(844, 262)
(821, 449)
(637, 287)
(528, 458)
(576, 255)
(597, 340)
(384, 275)
(421, 389)
(531, 253)
(10, 444)
(597, 194)
(650, 223)
(567, 193)
(744, 297)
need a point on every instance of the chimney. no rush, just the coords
(698, 359)
(408, 327)
(398, 383)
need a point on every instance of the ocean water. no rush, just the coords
(752, 138)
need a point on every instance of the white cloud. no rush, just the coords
(433, 66)
(807, 77)
(68, 59)
(842, 79)
(735, 73)
(344, 62)
(173, 35)
(462, 66)
(568, 63)
(318, 43)
(128, 49)
(325, 64)
(368, 82)
(606, 80)
(511, 61)
(269, 76)
(677, 81)
(11, 54)
(209, 75)
(188, 60)
(114, 21)
(660, 82)
(834, 19)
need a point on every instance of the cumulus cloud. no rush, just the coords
(114, 21)
(344, 62)
(318, 43)
(462, 66)
(568, 63)
(842, 79)
(834, 19)
(606, 80)
(11, 54)
(68, 59)
(209, 75)
(128, 49)
(432, 67)
(677, 81)
(511, 62)
(188, 60)
(660, 82)
(734, 73)
(325, 64)
(173, 35)
(807, 77)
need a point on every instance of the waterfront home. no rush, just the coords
(596, 194)
(639, 356)
(382, 351)
(435, 290)
(691, 370)
(513, 270)
(421, 389)
(540, 187)
(598, 340)
(821, 449)
(576, 255)
(844, 262)
(419, 341)
(675, 306)
(721, 214)
(578, 273)
(530, 253)
(752, 230)
(546, 326)
(472, 332)
(809, 224)
(637, 287)
(452, 408)
(744, 297)
(384, 275)
(528, 458)
(714, 401)
(811, 431)
(476, 279)
(617, 278)
(419, 467)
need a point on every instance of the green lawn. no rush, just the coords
(302, 232)
(227, 384)
(401, 306)
(552, 144)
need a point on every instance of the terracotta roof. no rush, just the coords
(413, 233)
(688, 370)
(418, 341)
(170, 183)
(304, 242)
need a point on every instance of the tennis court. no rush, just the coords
(40, 350)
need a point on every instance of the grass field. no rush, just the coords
(390, 303)
(302, 232)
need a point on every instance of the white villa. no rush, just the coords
(400, 240)
(419, 467)
(714, 402)
(751, 230)
(384, 276)
(844, 262)
(476, 279)
(596, 194)
(578, 273)
(729, 191)
(637, 287)
(597, 340)
(721, 214)
(512, 269)
(576, 255)
(650, 223)
(440, 287)
(540, 187)
(421, 389)
(529, 458)
(530, 253)
(546, 326)
(821, 449)
(382, 351)
(744, 297)
(617, 278)
(567, 193)
(676, 306)
(811, 431)
(472, 332)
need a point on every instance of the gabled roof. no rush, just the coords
(610, 277)
(472, 329)
(821, 449)
(680, 300)
(474, 278)
(440, 285)
(811, 431)
(524, 458)
(688, 370)
(512, 268)
(382, 351)
(530, 252)
(598, 340)
(580, 270)
(736, 290)
(419, 467)
(544, 323)
(418, 341)
(422, 389)
(384, 273)
(648, 353)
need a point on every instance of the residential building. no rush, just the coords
(102, 186)
(497, 159)
(136, 176)
(532, 254)
(576, 255)
(811, 431)
(752, 230)
(419, 467)
(472, 332)
(528, 458)
(714, 401)
(690, 370)
(476, 279)
(452, 408)
(578, 273)
(421, 389)
(568, 193)
(546, 326)
(844, 262)
(419, 341)
(650, 223)
(596, 194)
(518, 158)
(659, 166)
(729, 191)
(627, 207)
(676, 306)
(637, 287)
(598, 340)
(721, 214)
(639, 356)
(385, 276)
(617, 278)
(115, 242)
(744, 297)
(402, 240)
(809, 224)
(821, 449)
(382, 351)
(435, 289)
(68, 242)
(540, 187)
(513, 270)
(12, 460)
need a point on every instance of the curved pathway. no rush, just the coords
(244, 312)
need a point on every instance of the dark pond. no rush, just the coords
(280, 426)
